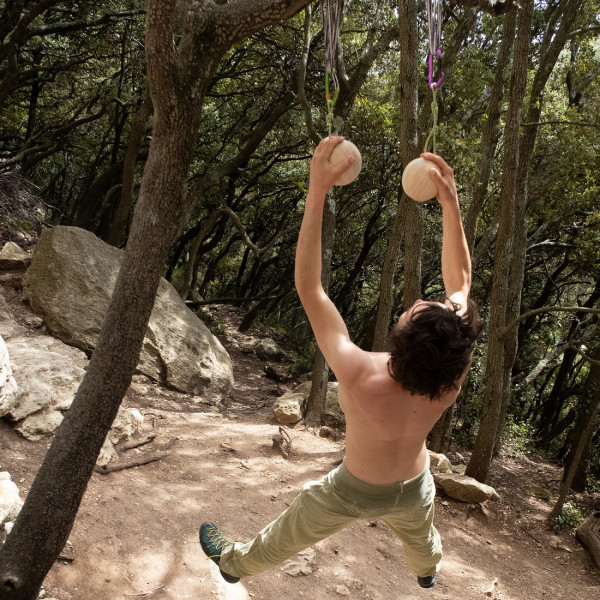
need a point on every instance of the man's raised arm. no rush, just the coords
(326, 322)
(456, 260)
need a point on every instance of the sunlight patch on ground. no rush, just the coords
(228, 591)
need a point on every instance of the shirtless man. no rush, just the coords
(391, 401)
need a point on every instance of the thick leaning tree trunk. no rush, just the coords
(555, 38)
(496, 379)
(588, 533)
(178, 80)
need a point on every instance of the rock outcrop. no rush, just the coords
(465, 489)
(70, 282)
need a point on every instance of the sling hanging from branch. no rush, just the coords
(331, 11)
(434, 62)
(416, 182)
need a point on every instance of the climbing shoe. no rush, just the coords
(213, 543)
(426, 582)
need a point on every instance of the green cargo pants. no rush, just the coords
(326, 506)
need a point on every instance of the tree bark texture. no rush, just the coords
(491, 129)
(590, 399)
(406, 213)
(118, 226)
(555, 38)
(320, 373)
(178, 79)
(496, 375)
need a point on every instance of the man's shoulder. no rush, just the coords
(365, 367)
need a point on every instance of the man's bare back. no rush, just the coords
(386, 426)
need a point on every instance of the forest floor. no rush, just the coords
(136, 534)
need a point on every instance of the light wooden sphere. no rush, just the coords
(342, 151)
(416, 181)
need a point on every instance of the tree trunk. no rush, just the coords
(320, 373)
(590, 399)
(91, 202)
(440, 434)
(580, 481)
(554, 41)
(118, 227)
(406, 213)
(178, 81)
(496, 377)
(63, 477)
(551, 408)
(588, 533)
(315, 405)
(491, 129)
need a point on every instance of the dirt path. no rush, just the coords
(136, 532)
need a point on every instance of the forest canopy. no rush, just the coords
(76, 123)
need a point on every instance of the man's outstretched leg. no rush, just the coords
(316, 513)
(421, 540)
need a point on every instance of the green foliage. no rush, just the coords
(593, 483)
(569, 518)
(301, 366)
(520, 435)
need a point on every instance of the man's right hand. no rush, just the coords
(444, 181)
(323, 174)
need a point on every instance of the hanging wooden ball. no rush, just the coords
(416, 181)
(341, 152)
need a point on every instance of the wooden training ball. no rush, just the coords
(342, 151)
(416, 181)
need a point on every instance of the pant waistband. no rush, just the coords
(346, 479)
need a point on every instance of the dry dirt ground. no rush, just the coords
(136, 532)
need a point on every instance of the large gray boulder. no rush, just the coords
(70, 282)
(465, 489)
(12, 257)
(8, 385)
(47, 373)
(37, 386)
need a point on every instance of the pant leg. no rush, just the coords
(413, 524)
(316, 513)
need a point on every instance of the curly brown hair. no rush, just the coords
(432, 350)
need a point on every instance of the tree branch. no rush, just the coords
(62, 28)
(574, 123)
(241, 18)
(579, 350)
(494, 7)
(542, 364)
(301, 94)
(536, 311)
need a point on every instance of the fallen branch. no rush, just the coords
(134, 463)
(530, 534)
(137, 443)
(283, 442)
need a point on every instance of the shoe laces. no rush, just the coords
(218, 541)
